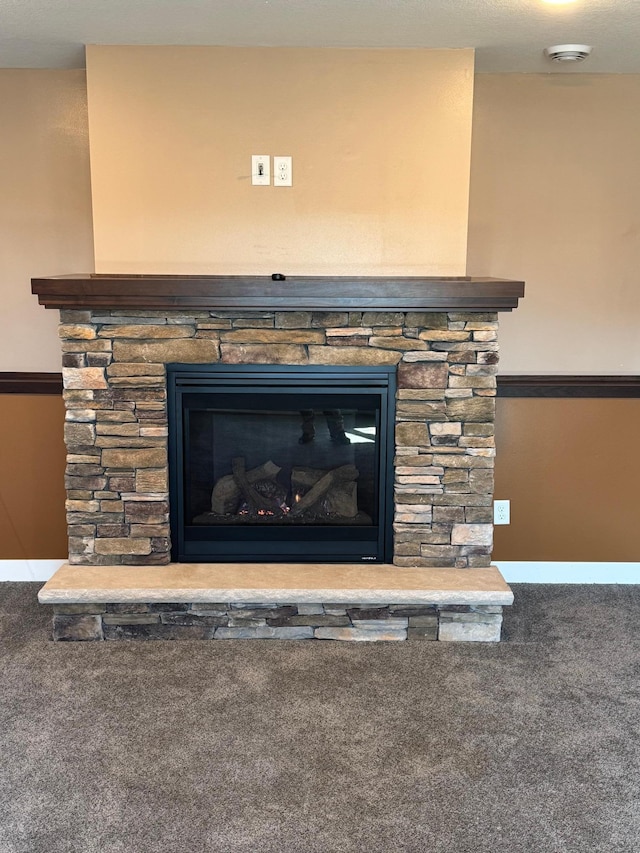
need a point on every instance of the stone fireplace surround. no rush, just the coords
(117, 335)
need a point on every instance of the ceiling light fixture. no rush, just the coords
(558, 2)
(568, 52)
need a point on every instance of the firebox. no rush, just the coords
(281, 463)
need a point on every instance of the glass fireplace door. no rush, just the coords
(280, 463)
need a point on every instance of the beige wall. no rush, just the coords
(32, 463)
(573, 490)
(380, 141)
(555, 199)
(45, 205)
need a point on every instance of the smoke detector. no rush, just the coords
(568, 52)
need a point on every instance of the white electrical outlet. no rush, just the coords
(282, 174)
(502, 512)
(260, 170)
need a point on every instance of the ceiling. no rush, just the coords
(509, 35)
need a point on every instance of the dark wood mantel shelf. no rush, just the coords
(317, 293)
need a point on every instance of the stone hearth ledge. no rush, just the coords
(276, 583)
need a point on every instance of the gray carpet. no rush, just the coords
(530, 745)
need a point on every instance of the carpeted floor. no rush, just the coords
(276, 747)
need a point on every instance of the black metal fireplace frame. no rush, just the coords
(293, 544)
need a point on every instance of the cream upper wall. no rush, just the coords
(555, 199)
(45, 205)
(380, 141)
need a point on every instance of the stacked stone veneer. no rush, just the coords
(276, 622)
(116, 419)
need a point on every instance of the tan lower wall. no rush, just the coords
(32, 462)
(564, 464)
(571, 471)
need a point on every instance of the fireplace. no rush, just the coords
(277, 463)
(310, 458)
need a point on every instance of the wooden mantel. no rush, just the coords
(296, 293)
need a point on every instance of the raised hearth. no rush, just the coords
(440, 336)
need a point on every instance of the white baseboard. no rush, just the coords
(28, 570)
(549, 572)
(512, 571)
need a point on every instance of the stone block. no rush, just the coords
(105, 416)
(75, 609)
(263, 354)
(79, 434)
(391, 622)
(240, 622)
(74, 315)
(471, 409)
(412, 610)
(424, 632)
(188, 350)
(348, 341)
(146, 512)
(118, 428)
(383, 318)
(426, 356)
(159, 632)
(367, 635)
(253, 322)
(317, 620)
(84, 469)
(353, 355)
(83, 378)
(265, 632)
(329, 319)
(152, 480)
(78, 331)
(472, 534)
(137, 382)
(86, 346)
(77, 627)
(463, 460)
(147, 331)
(367, 613)
(127, 546)
(349, 332)
(470, 632)
(107, 505)
(422, 375)
(310, 609)
(273, 336)
(122, 483)
(396, 342)
(210, 608)
(135, 368)
(282, 611)
(412, 434)
(420, 394)
(457, 476)
(122, 618)
(293, 319)
(192, 618)
(123, 441)
(440, 335)
(113, 531)
(426, 320)
(434, 411)
(444, 552)
(155, 457)
(478, 514)
(472, 381)
(81, 506)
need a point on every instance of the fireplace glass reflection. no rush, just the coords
(280, 463)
